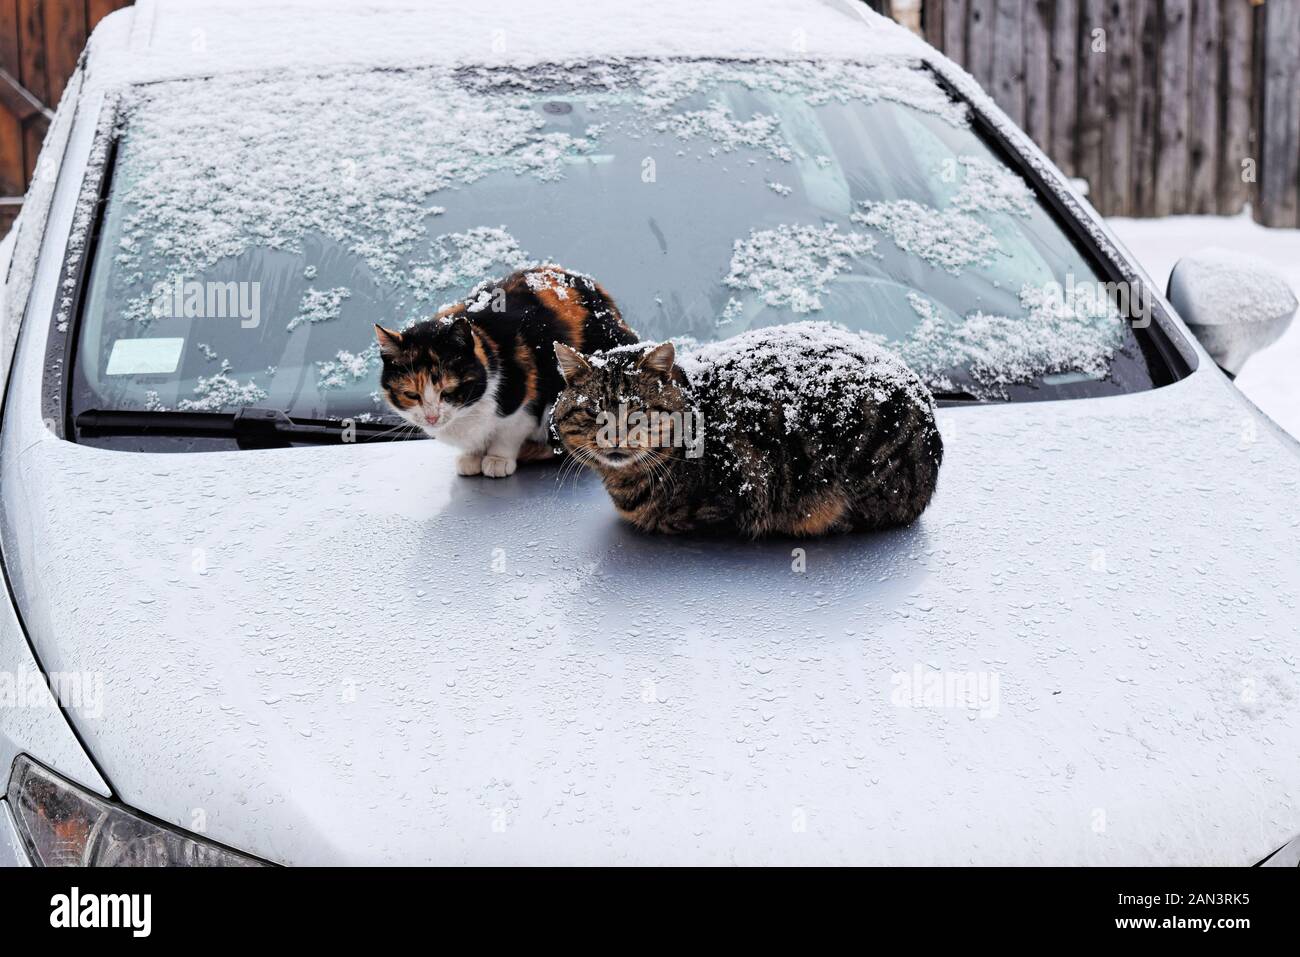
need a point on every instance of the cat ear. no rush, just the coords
(573, 364)
(461, 327)
(389, 341)
(659, 359)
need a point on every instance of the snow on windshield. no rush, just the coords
(946, 238)
(790, 265)
(221, 391)
(1062, 330)
(988, 187)
(464, 259)
(1060, 335)
(276, 160)
(320, 305)
(315, 158)
(371, 164)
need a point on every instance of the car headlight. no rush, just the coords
(62, 825)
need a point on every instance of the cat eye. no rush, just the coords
(413, 396)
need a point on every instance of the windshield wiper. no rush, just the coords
(957, 397)
(252, 428)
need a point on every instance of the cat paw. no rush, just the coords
(498, 466)
(470, 464)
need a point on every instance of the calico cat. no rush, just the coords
(481, 374)
(808, 429)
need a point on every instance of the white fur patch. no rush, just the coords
(490, 442)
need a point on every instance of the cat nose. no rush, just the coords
(431, 418)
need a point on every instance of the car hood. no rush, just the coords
(1085, 651)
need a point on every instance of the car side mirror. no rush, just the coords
(1234, 304)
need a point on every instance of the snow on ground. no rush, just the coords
(1270, 378)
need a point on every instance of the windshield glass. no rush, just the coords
(257, 228)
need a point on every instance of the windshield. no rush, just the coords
(256, 229)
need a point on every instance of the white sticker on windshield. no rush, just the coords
(144, 356)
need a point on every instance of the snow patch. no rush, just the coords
(257, 171)
(346, 368)
(463, 258)
(791, 265)
(221, 391)
(762, 131)
(991, 188)
(320, 306)
(942, 237)
(819, 372)
(1059, 333)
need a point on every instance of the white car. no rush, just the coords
(276, 636)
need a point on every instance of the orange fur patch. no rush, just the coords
(567, 310)
(524, 356)
(415, 382)
(820, 517)
(480, 352)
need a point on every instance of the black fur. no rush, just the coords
(518, 320)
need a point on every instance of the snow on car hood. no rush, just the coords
(1085, 651)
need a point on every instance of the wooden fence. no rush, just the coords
(1163, 106)
(40, 41)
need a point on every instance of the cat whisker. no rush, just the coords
(570, 469)
(403, 426)
(669, 477)
(659, 465)
(579, 457)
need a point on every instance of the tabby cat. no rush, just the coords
(481, 374)
(808, 429)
